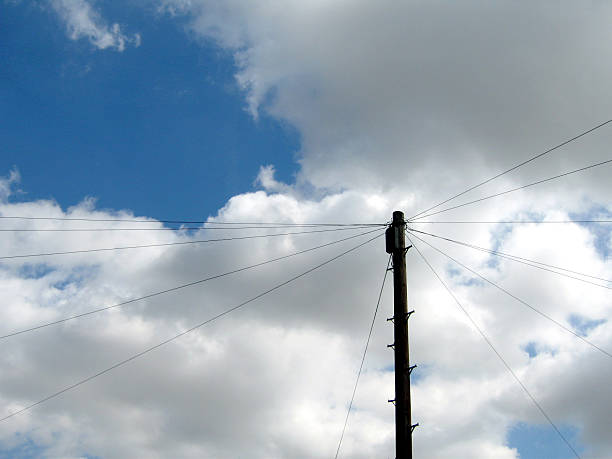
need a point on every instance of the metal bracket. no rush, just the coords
(411, 368)
(406, 249)
(408, 314)
(391, 345)
(413, 426)
(391, 401)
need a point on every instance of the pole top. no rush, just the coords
(394, 236)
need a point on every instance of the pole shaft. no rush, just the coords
(403, 418)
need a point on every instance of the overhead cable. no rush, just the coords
(179, 287)
(365, 351)
(524, 303)
(506, 222)
(167, 244)
(499, 356)
(184, 228)
(525, 261)
(183, 222)
(516, 189)
(533, 158)
(173, 338)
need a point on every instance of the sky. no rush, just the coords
(299, 113)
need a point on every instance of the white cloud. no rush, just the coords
(266, 179)
(7, 184)
(413, 92)
(281, 370)
(410, 102)
(274, 346)
(83, 21)
(398, 105)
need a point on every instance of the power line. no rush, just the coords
(509, 222)
(484, 336)
(200, 241)
(365, 351)
(189, 222)
(525, 261)
(533, 158)
(185, 228)
(516, 189)
(173, 289)
(501, 289)
(212, 319)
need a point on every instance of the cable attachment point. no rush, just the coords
(391, 345)
(413, 426)
(408, 314)
(411, 368)
(391, 401)
(406, 249)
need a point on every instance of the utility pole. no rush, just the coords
(396, 245)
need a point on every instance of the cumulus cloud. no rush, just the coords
(83, 21)
(275, 346)
(281, 370)
(411, 102)
(388, 92)
(399, 105)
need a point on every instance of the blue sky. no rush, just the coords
(161, 129)
(540, 442)
(360, 111)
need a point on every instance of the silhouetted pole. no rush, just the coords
(396, 245)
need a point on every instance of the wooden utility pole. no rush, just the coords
(396, 245)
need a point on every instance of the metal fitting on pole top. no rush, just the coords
(392, 239)
(392, 235)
